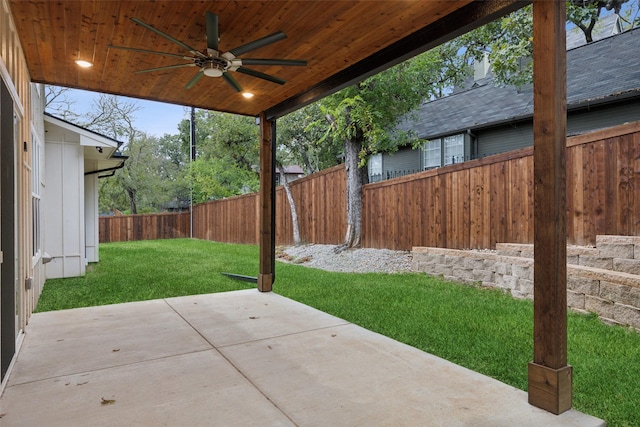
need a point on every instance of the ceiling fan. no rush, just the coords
(211, 62)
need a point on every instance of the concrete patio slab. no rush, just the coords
(228, 319)
(86, 339)
(195, 389)
(240, 359)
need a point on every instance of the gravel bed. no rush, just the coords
(361, 260)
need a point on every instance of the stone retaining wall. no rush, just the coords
(604, 280)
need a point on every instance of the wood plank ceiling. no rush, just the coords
(331, 35)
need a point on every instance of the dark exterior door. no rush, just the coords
(7, 232)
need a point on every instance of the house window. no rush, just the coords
(453, 149)
(35, 197)
(375, 167)
(443, 151)
(431, 157)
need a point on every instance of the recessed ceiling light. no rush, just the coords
(84, 64)
(247, 95)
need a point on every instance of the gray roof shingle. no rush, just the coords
(599, 72)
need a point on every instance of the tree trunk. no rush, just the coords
(306, 160)
(354, 194)
(292, 206)
(588, 30)
(132, 201)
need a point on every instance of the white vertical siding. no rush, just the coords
(64, 205)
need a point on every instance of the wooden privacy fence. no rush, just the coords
(479, 203)
(469, 205)
(321, 210)
(321, 205)
(475, 204)
(320, 202)
(123, 228)
(232, 220)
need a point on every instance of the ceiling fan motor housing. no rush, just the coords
(212, 67)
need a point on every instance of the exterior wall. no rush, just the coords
(91, 217)
(505, 138)
(64, 204)
(405, 159)
(520, 135)
(603, 116)
(27, 101)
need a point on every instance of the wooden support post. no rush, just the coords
(267, 242)
(550, 378)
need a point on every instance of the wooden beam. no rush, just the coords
(267, 219)
(549, 375)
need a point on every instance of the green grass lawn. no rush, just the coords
(483, 330)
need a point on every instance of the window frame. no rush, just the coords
(375, 160)
(433, 145)
(36, 198)
(457, 143)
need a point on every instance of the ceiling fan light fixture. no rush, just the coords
(214, 63)
(212, 71)
(83, 64)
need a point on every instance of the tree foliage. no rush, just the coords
(227, 155)
(372, 110)
(148, 181)
(213, 178)
(152, 176)
(300, 141)
(365, 117)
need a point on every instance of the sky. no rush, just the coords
(153, 118)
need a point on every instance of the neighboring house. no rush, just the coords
(76, 158)
(603, 89)
(291, 172)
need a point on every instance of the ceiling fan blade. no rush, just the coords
(168, 67)
(149, 51)
(260, 75)
(286, 62)
(212, 30)
(194, 80)
(232, 82)
(168, 37)
(256, 44)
